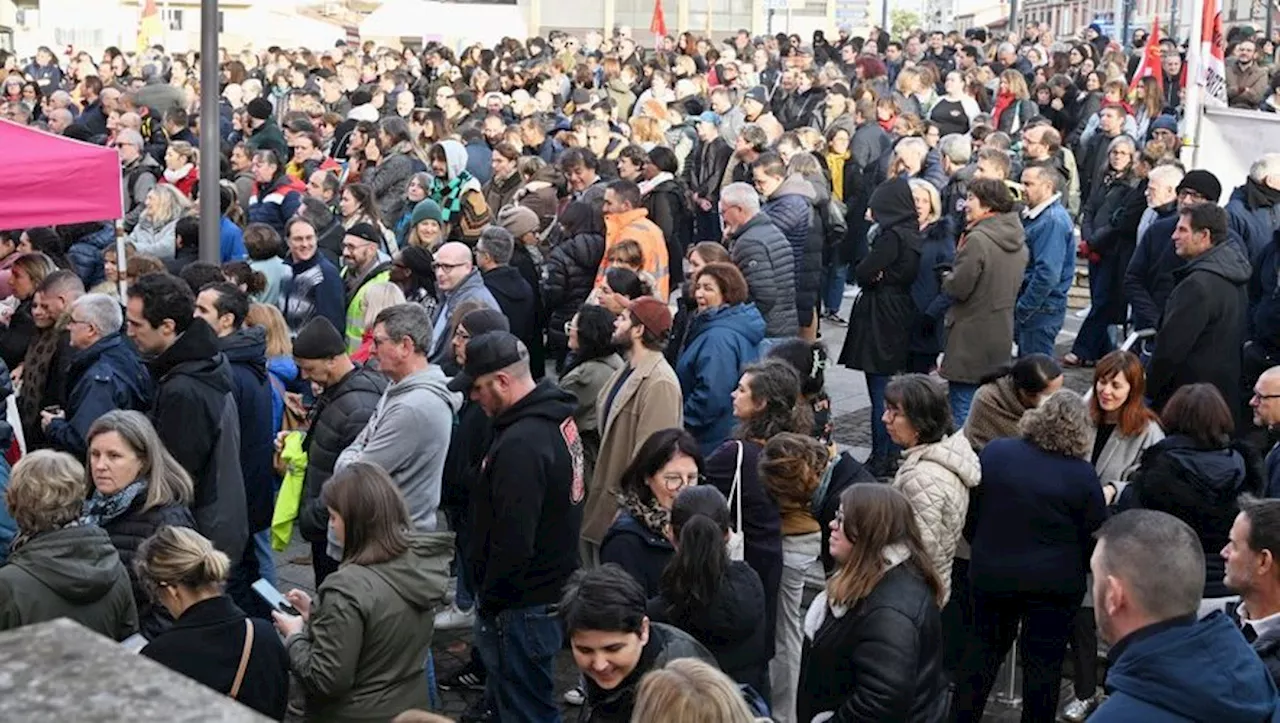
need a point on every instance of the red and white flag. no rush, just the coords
(1213, 69)
(1150, 64)
(658, 25)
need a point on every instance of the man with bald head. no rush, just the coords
(1265, 404)
(457, 280)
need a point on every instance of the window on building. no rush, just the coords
(172, 18)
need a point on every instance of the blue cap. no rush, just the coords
(709, 116)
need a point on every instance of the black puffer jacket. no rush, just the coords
(765, 258)
(668, 206)
(570, 275)
(880, 660)
(127, 532)
(339, 415)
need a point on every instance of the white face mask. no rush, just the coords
(334, 548)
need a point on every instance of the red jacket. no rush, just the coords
(186, 184)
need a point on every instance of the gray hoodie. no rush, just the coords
(408, 436)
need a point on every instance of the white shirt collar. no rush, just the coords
(1261, 626)
(1031, 213)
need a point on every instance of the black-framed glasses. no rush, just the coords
(675, 481)
(1264, 397)
(450, 267)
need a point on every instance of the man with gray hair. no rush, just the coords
(59, 119)
(761, 252)
(139, 171)
(105, 374)
(509, 288)
(1165, 664)
(956, 152)
(409, 431)
(1254, 208)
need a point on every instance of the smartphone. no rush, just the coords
(272, 597)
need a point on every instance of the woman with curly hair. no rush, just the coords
(1034, 514)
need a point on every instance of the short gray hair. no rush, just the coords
(1006, 48)
(1123, 140)
(957, 148)
(1169, 173)
(1267, 165)
(742, 195)
(409, 320)
(496, 243)
(1160, 559)
(1059, 425)
(100, 311)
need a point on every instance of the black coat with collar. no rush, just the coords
(127, 532)
(206, 645)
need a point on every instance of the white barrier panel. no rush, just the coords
(1231, 140)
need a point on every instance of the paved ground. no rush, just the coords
(851, 407)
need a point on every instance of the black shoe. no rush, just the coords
(478, 712)
(468, 677)
(834, 318)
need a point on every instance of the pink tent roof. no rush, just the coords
(50, 180)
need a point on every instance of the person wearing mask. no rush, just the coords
(1251, 573)
(357, 650)
(363, 265)
(788, 202)
(58, 568)
(212, 641)
(639, 399)
(614, 643)
(983, 284)
(457, 281)
(526, 513)
(717, 600)
(1148, 572)
(104, 374)
(277, 198)
(873, 637)
(1042, 302)
(194, 408)
(1246, 81)
(1204, 320)
(463, 210)
(314, 287)
(724, 336)
(880, 324)
(761, 252)
(1036, 510)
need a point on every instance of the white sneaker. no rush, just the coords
(575, 695)
(451, 618)
(1079, 710)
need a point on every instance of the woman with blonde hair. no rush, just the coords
(182, 167)
(377, 297)
(57, 567)
(646, 132)
(937, 247)
(283, 370)
(212, 641)
(155, 232)
(136, 487)
(1013, 107)
(688, 690)
(27, 272)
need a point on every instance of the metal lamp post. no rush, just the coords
(210, 135)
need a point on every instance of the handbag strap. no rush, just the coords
(244, 658)
(735, 493)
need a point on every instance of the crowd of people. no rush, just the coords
(546, 318)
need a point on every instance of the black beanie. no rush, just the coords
(260, 108)
(317, 339)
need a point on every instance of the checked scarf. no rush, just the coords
(100, 509)
(449, 194)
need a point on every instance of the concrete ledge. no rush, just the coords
(60, 671)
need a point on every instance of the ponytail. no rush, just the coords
(692, 579)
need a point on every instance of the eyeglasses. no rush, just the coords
(450, 267)
(462, 333)
(1191, 195)
(1264, 397)
(675, 482)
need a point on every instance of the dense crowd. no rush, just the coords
(546, 318)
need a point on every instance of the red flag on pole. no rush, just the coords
(658, 25)
(1151, 61)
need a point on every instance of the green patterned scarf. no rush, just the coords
(449, 194)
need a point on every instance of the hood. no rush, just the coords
(455, 157)
(78, 563)
(1225, 260)
(821, 190)
(430, 380)
(506, 284)
(892, 204)
(1203, 671)
(284, 367)
(742, 319)
(547, 401)
(421, 575)
(247, 347)
(794, 185)
(955, 455)
(196, 351)
(1215, 475)
(1005, 230)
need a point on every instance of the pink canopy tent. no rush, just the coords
(50, 180)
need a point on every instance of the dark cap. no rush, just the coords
(758, 94)
(488, 353)
(260, 108)
(655, 315)
(365, 231)
(483, 321)
(318, 339)
(1202, 182)
(361, 97)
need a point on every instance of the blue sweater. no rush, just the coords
(1051, 265)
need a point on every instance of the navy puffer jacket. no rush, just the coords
(791, 208)
(85, 254)
(570, 275)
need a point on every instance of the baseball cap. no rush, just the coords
(652, 313)
(709, 116)
(365, 231)
(487, 353)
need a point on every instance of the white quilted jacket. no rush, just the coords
(936, 478)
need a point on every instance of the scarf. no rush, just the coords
(449, 194)
(1259, 195)
(36, 366)
(835, 162)
(649, 514)
(646, 187)
(101, 509)
(173, 176)
(1004, 99)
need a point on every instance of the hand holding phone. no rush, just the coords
(272, 597)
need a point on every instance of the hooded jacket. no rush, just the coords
(154, 239)
(1254, 214)
(526, 505)
(1204, 327)
(408, 436)
(246, 350)
(1187, 670)
(360, 656)
(389, 178)
(761, 252)
(474, 212)
(73, 572)
(105, 377)
(196, 416)
(515, 299)
(936, 479)
(720, 343)
(665, 645)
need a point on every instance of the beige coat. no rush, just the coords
(648, 401)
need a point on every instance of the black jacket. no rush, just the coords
(246, 350)
(195, 414)
(642, 552)
(1203, 330)
(880, 661)
(127, 532)
(337, 417)
(731, 626)
(706, 169)
(761, 252)
(1148, 279)
(467, 447)
(206, 644)
(668, 206)
(516, 300)
(616, 704)
(571, 275)
(1199, 487)
(105, 377)
(848, 471)
(526, 507)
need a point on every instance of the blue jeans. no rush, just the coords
(882, 446)
(266, 559)
(834, 278)
(464, 598)
(960, 396)
(1094, 340)
(518, 648)
(1037, 333)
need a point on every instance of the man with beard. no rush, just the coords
(1166, 663)
(1246, 80)
(363, 263)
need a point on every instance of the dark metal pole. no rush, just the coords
(884, 22)
(1013, 21)
(210, 140)
(1173, 21)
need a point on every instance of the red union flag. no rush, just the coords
(1213, 69)
(1150, 65)
(658, 25)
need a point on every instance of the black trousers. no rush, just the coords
(955, 619)
(321, 564)
(1084, 654)
(1047, 621)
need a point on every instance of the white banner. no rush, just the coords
(1229, 139)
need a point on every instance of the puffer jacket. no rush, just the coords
(791, 208)
(936, 478)
(570, 276)
(154, 239)
(761, 252)
(85, 254)
(1255, 225)
(721, 341)
(668, 207)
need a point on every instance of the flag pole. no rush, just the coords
(1193, 104)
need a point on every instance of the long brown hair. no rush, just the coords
(374, 515)
(1134, 415)
(875, 517)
